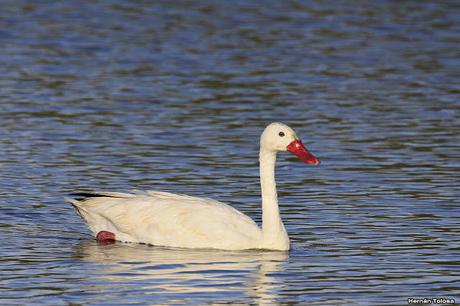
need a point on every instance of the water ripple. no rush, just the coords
(173, 96)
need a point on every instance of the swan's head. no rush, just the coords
(279, 137)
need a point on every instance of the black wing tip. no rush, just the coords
(81, 196)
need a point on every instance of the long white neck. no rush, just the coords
(274, 233)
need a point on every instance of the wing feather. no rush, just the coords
(163, 218)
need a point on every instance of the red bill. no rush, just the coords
(297, 148)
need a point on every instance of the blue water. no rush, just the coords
(117, 96)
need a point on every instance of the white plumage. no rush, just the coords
(175, 220)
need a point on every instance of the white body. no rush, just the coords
(166, 219)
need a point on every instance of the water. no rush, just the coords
(111, 95)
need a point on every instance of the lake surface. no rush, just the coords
(118, 96)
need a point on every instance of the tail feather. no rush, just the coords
(75, 203)
(100, 210)
(77, 199)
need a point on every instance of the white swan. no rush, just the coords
(175, 220)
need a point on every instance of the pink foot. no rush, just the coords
(105, 237)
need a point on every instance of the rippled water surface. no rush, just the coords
(118, 95)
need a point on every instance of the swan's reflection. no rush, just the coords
(156, 270)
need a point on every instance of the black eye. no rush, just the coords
(281, 134)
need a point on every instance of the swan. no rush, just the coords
(177, 220)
